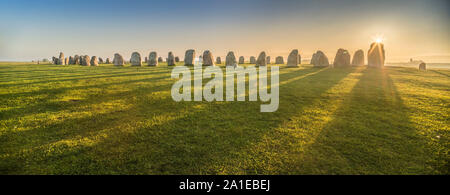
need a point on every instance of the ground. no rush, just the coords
(122, 120)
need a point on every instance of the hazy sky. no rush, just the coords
(32, 29)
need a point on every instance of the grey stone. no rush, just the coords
(160, 59)
(107, 61)
(268, 59)
(279, 60)
(86, 60)
(219, 60)
(177, 59)
(252, 60)
(136, 59)
(170, 59)
(261, 59)
(61, 60)
(153, 59)
(342, 58)
(358, 58)
(118, 60)
(422, 66)
(319, 59)
(293, 59)
(189, 57)
(94, 61)
(376, 55)
(208, 58)
(230, 60)
(241, 60)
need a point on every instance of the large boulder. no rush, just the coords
(319, 59)
(189, 57)
(376, 55)
(61, 60)
(118, 60)
(177, 59)
(422, 66)
(160, 59)
(261, 59)
(241, 60)
(268, 59)
(358, 58)
(136, 59)
(94, 61)
(100, 60)
(293, 59)
(86, 60)
(71, 61)
(66, 61)
(107, 61)
(76, 60)
(342, 58)
(230, 60)
(153, 59)
(170, 59)
(252, 60)
(279, 60)
(218, 60)
(208, 58)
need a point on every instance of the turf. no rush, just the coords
(122, 120)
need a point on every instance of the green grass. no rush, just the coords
(122, 120)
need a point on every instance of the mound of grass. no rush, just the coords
(122, 120)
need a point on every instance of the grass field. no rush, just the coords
(109, 120)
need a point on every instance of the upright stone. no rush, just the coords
(61, 60)
(66, 61)
(422, 66)
(100, 61)
(146, 60)
(230, 60)
(153, 59)
(136, 59)
(261, 59)
(241, 60)
(71, 60)
(252, 60)
(94, 61)
(279, 60)
(208, 58)
(268, 59)
(160, 59)
(319, 59)
(107, 61)
(118, 60)
(170, 59)
(86, 60)
(342, 58)
(177, 59)
(376, 55)
(358, 58)
(219, 60)
(189, 57)
(293, 59)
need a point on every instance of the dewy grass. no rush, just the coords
(122, 120)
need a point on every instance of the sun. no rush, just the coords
(379, 40)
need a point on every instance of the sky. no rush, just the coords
(36, 29)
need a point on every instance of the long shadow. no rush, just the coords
(371, 133)
(192, 144)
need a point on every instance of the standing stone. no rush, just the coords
(136, 59)
(54, 60)
(189, 57)
(177, 59)
(100, 61)
(279, 60)
(118, 60)
(230, 60)
(241, 60)
(268, 59)
(66, 61)
(81, 59)
(358, 58)
(94, 61)
(261, 59)
(376, 55)
(86, 60)
(342, 58)
(71, 60)
(107, 61)
(61, 60)
(160, 59)
(219, 60)
(153, 59)
(208, 58)
(252, 60)
(293, 59)
(146, 60)
(319, 59)
(170, 59)
(422, 66)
